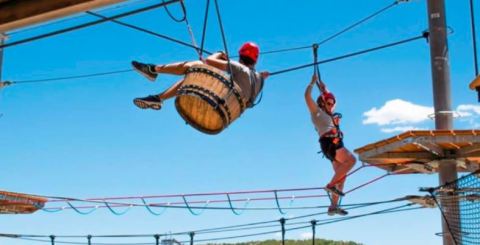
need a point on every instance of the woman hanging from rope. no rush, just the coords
(327, 125)
(243, 71)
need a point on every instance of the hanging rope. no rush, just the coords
(191, 210)
(474, 37)
(115, 212)
(147, 206)
(79, 211)
(233, 209)
(92, 23)
(232, 78)
(183, 18)
(204, 31)
(316, 69)
(423, 36)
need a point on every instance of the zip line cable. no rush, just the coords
(424, 35)
(88, 24)
(349, 55)
(71, 77)
(401, 208)
(346, 29)
(146, 31)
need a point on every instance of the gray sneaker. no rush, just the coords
(336, 210)
(147, 70)
(149, 102)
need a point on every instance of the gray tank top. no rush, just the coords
(322, 121)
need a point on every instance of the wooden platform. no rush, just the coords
(16, 14)
(421, 151)
(17, 203)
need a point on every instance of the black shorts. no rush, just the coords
(329, 149)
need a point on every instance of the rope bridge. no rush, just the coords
(459, 203)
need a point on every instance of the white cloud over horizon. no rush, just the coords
(397, 112)
(398, 115)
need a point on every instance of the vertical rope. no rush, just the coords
(278, 203)
(314, 224)
(224, 43)
(157, 239)
(474, 37)
(205, 20)
(282, 223)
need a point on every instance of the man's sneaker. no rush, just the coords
(150, 101)
(147, 70)
(336, 210)
(333, 190)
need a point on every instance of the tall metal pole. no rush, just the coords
(442, 100)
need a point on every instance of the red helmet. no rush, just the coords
(249, 50)
(326, 96)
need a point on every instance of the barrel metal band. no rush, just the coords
(223, 80)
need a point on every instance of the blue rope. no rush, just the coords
(80, 212)
(278, 203)
(147, 206)
(233, 209)
(115, 212)
(51, 210)
(190, 208)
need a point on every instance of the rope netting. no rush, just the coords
(459, 203)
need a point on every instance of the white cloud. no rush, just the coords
(468, 110)
(398, 115)
(306, 235)
(469, 114)
(399, 129)
(397, 111)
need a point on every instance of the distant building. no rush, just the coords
(170, 242)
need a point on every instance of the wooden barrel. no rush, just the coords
(16, 203)
(207, 101)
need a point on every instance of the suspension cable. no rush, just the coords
(423, 36)
(92, 23)
(71, 77)
(146, 31)
(344, 30)
(400, 208)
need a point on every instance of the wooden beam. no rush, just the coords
(18, 14)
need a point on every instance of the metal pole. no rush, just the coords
(441, 95)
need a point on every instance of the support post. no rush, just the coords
(441, 96)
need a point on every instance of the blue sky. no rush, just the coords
(84, 138)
